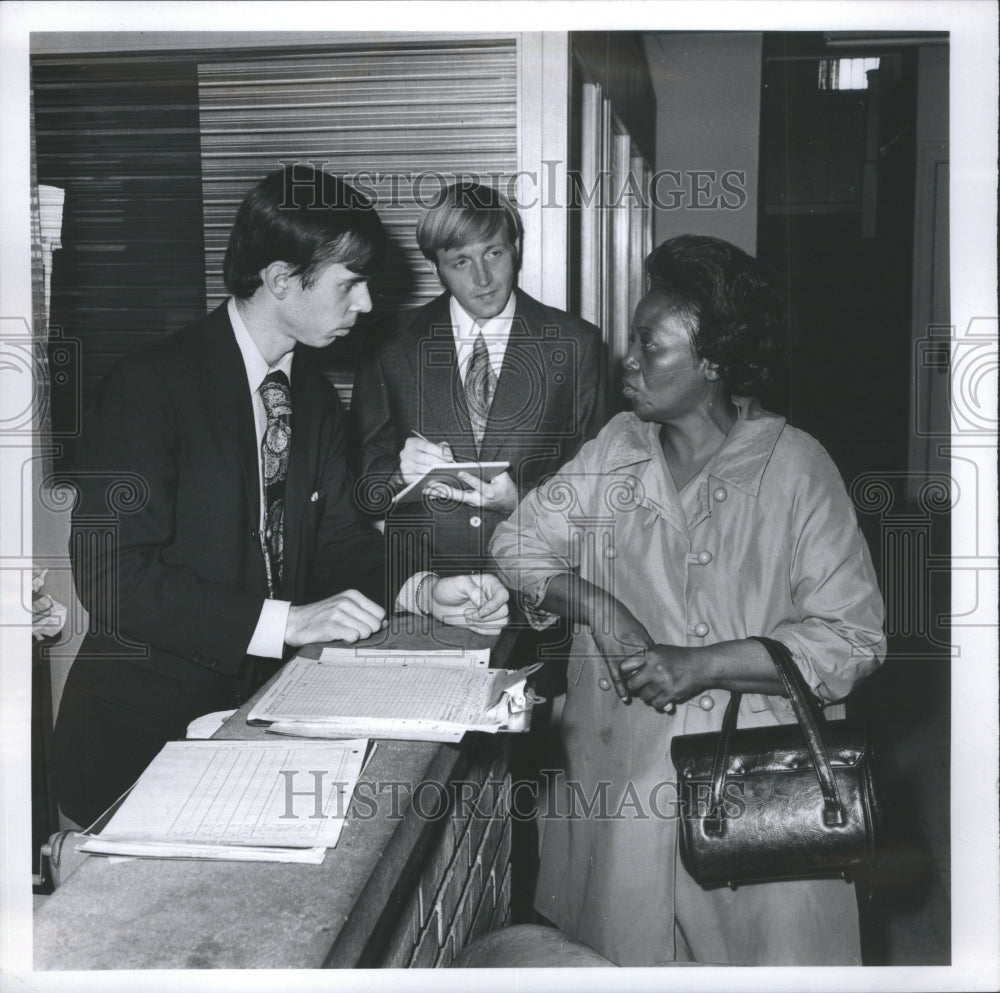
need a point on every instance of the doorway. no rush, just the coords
(840, 158)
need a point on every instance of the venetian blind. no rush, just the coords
(120, 137)
(400, 122)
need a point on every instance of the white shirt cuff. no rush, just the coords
(406, 598)
(268, 639)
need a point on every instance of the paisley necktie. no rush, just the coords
(274, 450)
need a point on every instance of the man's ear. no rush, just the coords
(710, 370)
(277, 278)
(432, 266)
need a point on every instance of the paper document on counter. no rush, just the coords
(392, 695)
(245, 800)
(405, 656)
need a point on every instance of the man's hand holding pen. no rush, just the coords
(477, 601)
(420, 455)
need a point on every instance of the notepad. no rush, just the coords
(243, 800)
(446, 473)
(433, 696)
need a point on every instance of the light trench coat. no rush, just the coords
(763, 541)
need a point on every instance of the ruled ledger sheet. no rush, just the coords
(252, 800)
(432, 696)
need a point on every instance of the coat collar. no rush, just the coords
(740, 462)
(434, 318)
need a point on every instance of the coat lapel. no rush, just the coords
(442, 413)
(229, 400)
(303, 471)
(520, 388)
(636, 458)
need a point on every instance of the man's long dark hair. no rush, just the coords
(306, 217)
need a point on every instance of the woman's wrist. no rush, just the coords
(741, 665)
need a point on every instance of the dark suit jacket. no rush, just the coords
(166, 552)
(551, 396)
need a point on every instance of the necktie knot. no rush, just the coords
(276, 393)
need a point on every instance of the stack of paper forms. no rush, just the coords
(245, 800)
(432, 696)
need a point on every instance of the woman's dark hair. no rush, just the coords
(729, 301)
(307, 218)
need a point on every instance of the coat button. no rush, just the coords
(610, 552)
(706, 702)
(475, 521)
(701, 629)
(604, 683)
(704, 557)
(719, 494)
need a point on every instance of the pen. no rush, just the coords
(444, 446)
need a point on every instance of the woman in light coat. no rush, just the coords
(688, 526)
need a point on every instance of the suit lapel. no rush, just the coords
(229, 399)
(307, 416)
(442, 413)
(519, 387)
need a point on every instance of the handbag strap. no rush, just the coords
(799, 694)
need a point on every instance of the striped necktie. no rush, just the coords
(480, 384)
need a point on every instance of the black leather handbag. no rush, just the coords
(792, 801)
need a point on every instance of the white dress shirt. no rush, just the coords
(269, 636)
(268, 639)
(496, 332)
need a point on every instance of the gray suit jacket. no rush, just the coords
(551, 396)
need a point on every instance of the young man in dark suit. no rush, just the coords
(213, 467)
(482, 373)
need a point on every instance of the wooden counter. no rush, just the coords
(402, 888)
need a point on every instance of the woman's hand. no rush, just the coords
(618, 638)
(614, 628)
(670, 674)
(665, 676)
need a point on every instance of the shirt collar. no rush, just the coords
(741, 460)
(254, 363)
(496, 327)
